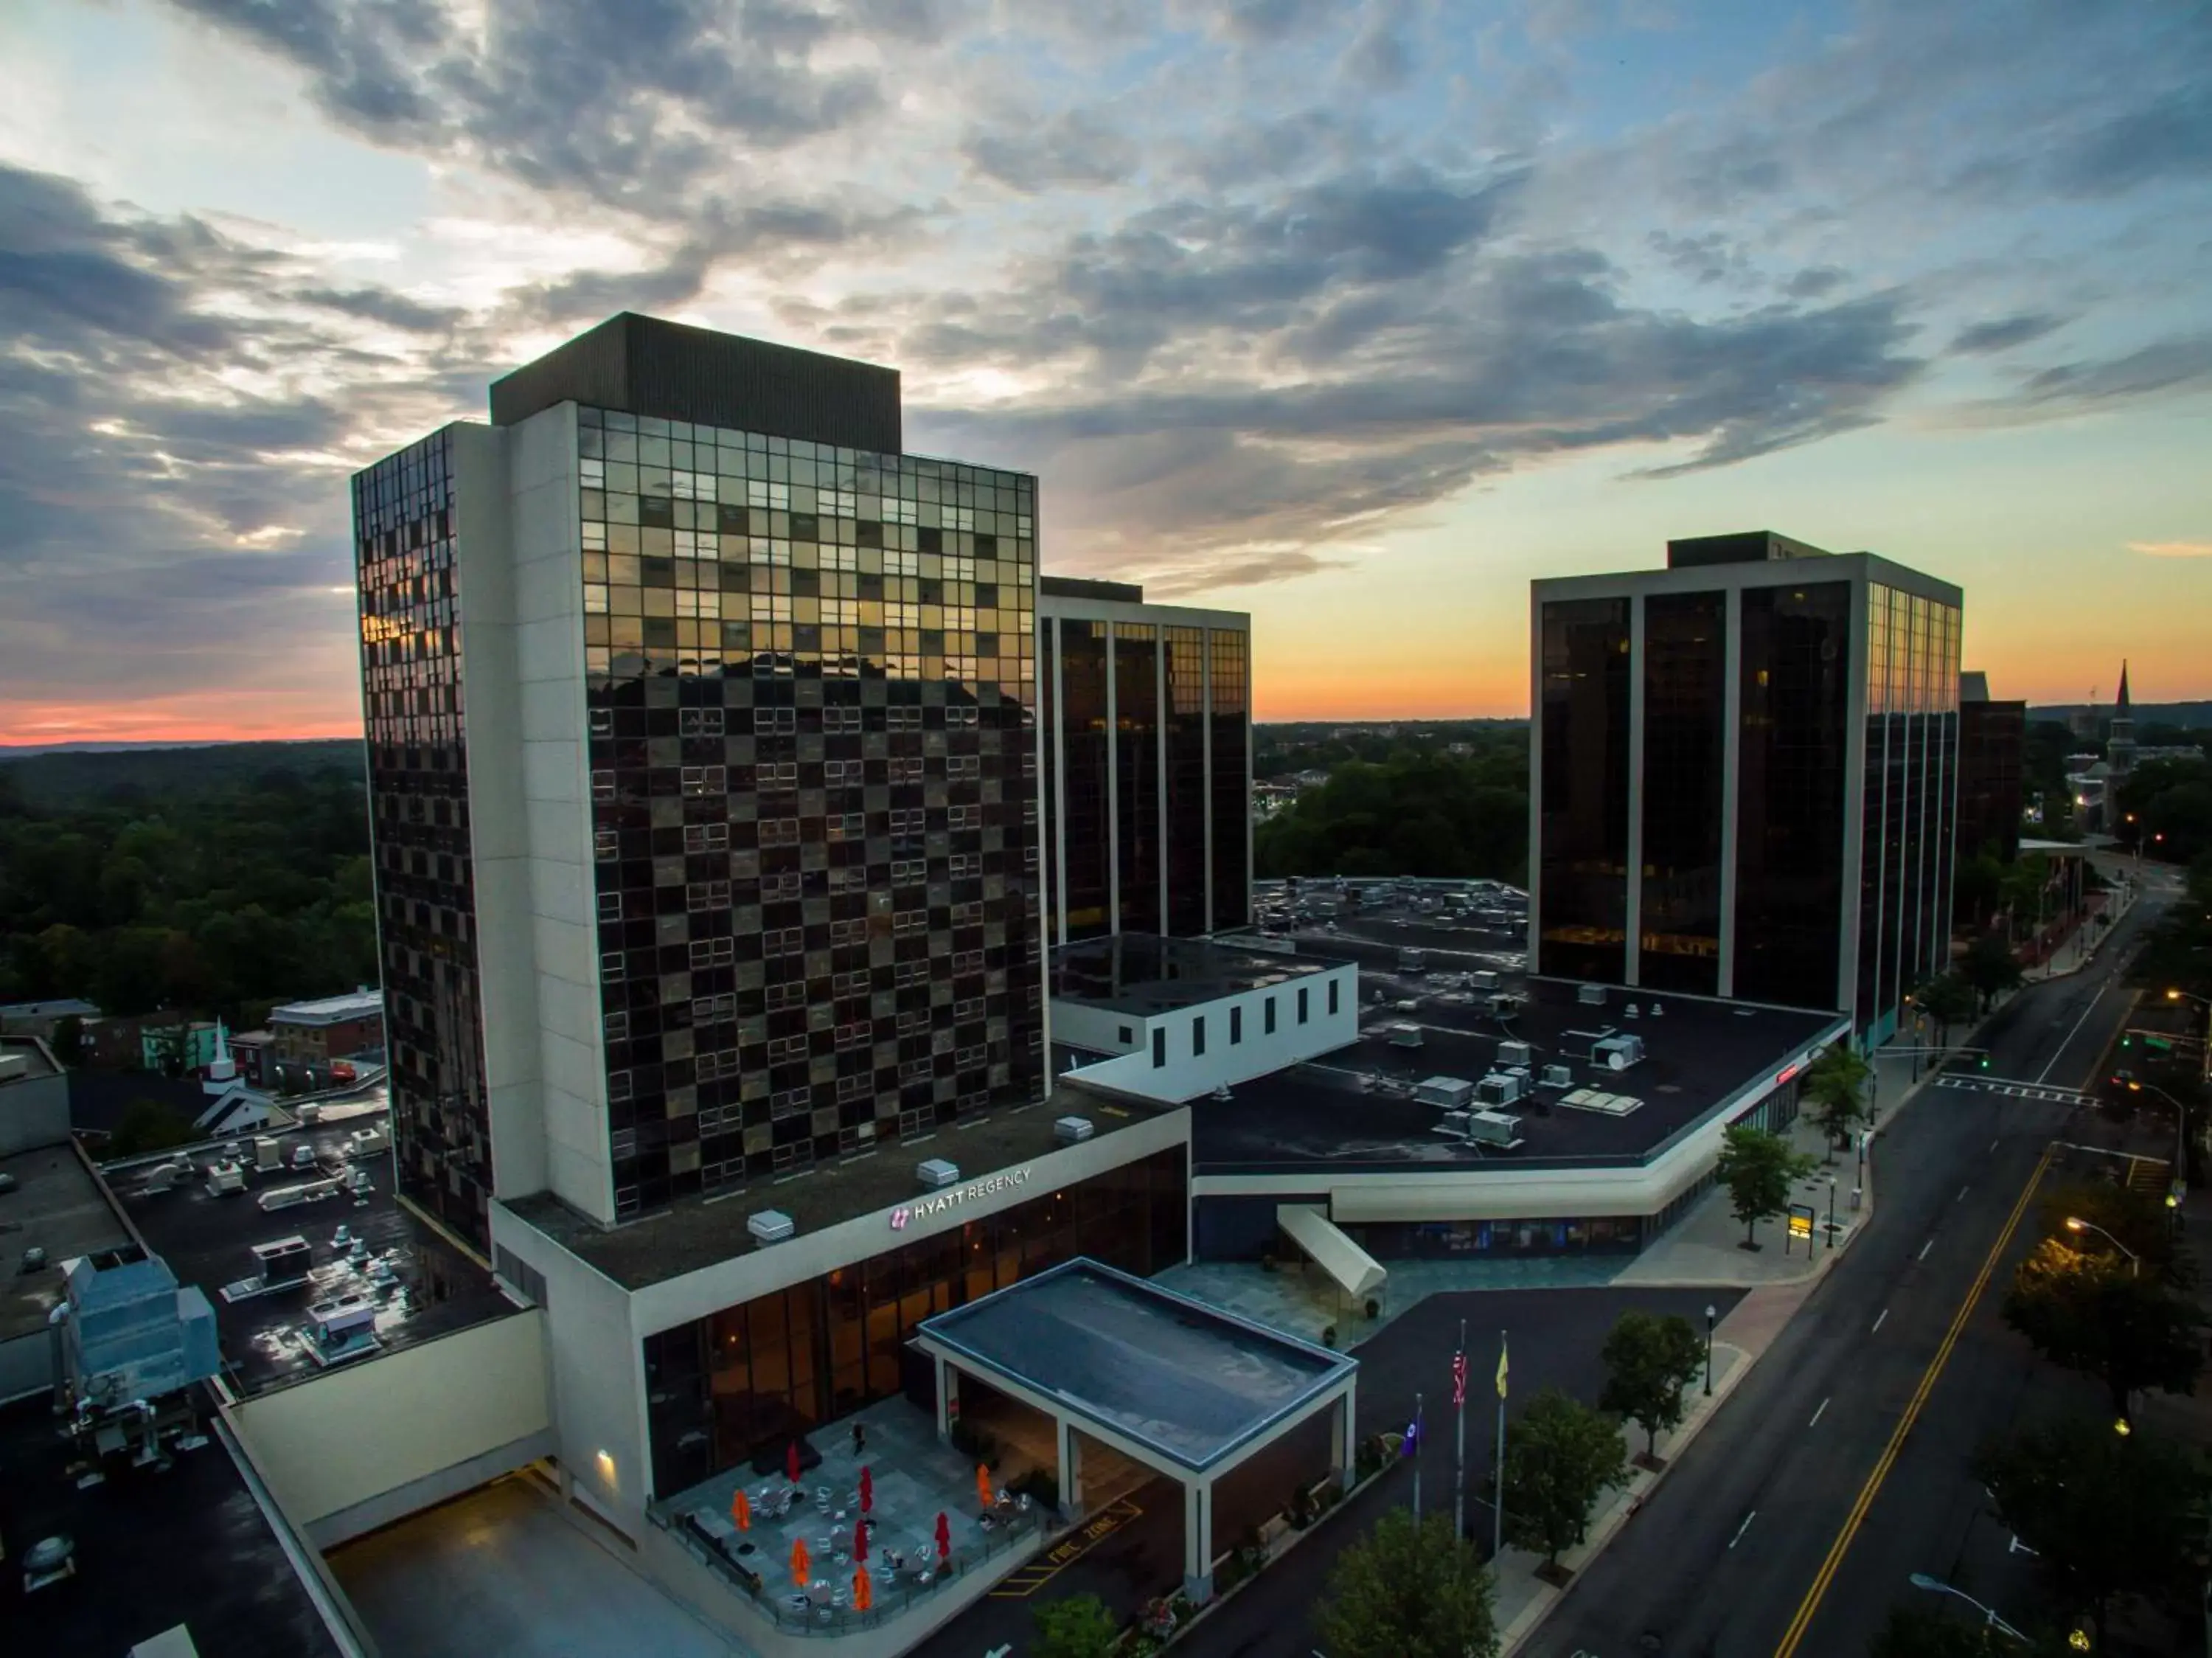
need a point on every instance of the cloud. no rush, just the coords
(2173, 549)
(2002, 334)
(2170, 138)
(1081, 148)
(2175, 365)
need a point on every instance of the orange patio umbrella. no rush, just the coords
(800, 1560)
(864, 1594)
(982, 1484)
(741, 1510)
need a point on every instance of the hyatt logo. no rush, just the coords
(906, 1214)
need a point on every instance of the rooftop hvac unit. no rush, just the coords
(1494, 1128)
(12, 1065)
(1504, 1004)
(225, 1177)
(1484, 979)
(936, 1174)
(1406, 1036)
(1581, 1045)
(1497, 1089)
(341, 1315)
(1618, 1052)
(770, 1226)
(1558, 1077)
(1068, 1130)
(1452, 1093)
(268, 1154)
(1590, 996)
(1513, 1053)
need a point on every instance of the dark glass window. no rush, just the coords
(1236, 1026)
(1684, 669)
(1583, 881)
(1302, 1004)
(1197, 1035)
(1187, 798)
(1333, 988)
(1137, 774)
(1790, 804)
(1267, 1016)
(1232, 785)
(1084, 823)
(1159, 1048)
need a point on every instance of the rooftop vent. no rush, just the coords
(1656, 1011)
(1069, 1130)
(1590, 996)
(936, 1174)
(770, 1226)
(1513, 1053)
(1631, 1011)
(1497, 1089)
(1618, 1052)
(1558, 1077)
(1484, 979)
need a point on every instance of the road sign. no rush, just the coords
(1800, 1223)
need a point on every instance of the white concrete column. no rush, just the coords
(948, 1379)
(1071, 1471)
(1198, 1541)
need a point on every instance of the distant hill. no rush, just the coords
(89, 774)
(2189, 715)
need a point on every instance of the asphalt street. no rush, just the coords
(1723, 1561)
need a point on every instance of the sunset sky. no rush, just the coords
(1356, 317)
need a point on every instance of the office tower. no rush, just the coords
(702, 774)
(1745, 776)
(1992, 749)
(1147, 763)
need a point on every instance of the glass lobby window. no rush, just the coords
(1685, 691)
(1582, 893)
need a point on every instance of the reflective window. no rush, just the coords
(1582, 893)
(1684, 693)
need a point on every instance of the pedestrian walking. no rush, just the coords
(860, 1439)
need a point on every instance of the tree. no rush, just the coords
(1922, 1631)
(149, 1126)
(1649, 1360)
(2138, 1219)
(1408, 1589)
(1757, 1167)
(1989, 968)
(1835, 1087)
(2089, 1313)
(1078, 1627)
(2108, 1515)
(1560, 1458)
(1948, 1000)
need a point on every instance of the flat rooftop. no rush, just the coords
(1143, 975)
(156, 1548)
(699, 1232)
(56, 1206)
(329, 1009)
(208, 1240)
(1185, 1378)
(1698, 1053)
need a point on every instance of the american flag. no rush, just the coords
(1459, 1378)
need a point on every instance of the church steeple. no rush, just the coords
(2123, 705)
(2120, 746)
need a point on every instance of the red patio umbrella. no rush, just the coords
(943, 1535)
(741, 1509)
(859, 1539)
(983, 1484)
(867, 1490)
(863, 1593)
(791, 1462)
(800, 1560)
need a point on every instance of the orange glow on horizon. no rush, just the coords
(190, 716)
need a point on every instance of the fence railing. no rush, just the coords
(892, 1595)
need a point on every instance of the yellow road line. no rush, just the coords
(1881, 1467)
(1025, 1581)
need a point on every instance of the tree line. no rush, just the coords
(183, 882)
(1418, 811)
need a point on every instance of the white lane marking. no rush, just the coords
(2071, 1034)
(1877, 1323)
(1961, 1197)
(1924, 1249)
(1742, 1529)
(1817, 1415)
(1993, 1145)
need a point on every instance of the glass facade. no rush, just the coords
(1151, 740)
(810, 695)
(1583, 898)
(1685, 707)
(1793, 670)
(409, 598)
(1137, 775)
(1909, 843)
(723, 1390)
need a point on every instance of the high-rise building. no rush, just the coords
(1992, 760)
(1745, 776)
(1147, 763)
(702, 771)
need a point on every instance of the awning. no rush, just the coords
(1359, 1272)
(1533, 1198)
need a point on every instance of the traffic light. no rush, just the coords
(1984, 1061)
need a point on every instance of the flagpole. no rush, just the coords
(1498, 1512)
(1459, 1463)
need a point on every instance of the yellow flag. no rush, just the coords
(1501, 1367)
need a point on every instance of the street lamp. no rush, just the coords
(1921, 1580)
(2073, 1224)
(1710, 1314)
(1831, 1212)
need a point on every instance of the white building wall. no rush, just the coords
(1186, 1074)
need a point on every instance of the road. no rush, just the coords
(1722, 1560)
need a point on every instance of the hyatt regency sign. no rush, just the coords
(929, 1208)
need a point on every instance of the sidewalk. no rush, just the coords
(2082, 944)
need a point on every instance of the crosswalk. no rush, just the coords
(2017, 1090)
